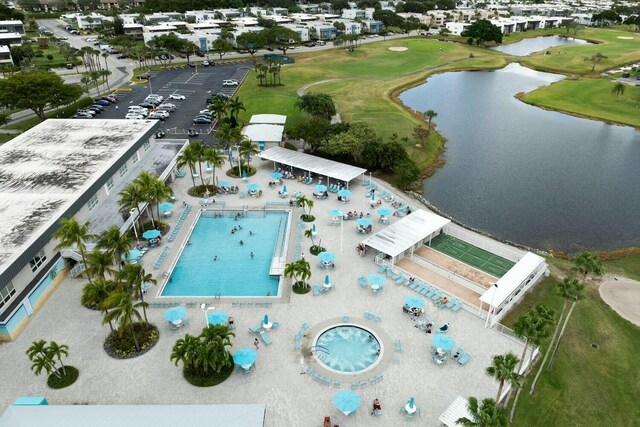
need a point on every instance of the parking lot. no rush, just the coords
(196, 86)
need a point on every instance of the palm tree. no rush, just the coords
(487, 414)
(235, 106)
(503, 370)
(309, 234)
(247, 149)
(146, 181)
(215, 159)
(213, 354)
(618, 89)
(184, 350)
(198, 152)
(57, 351)
(158, 191)
(571, 290)
(304, 202)
(586, 264)
(99, 264)
(299, 271)
(188, 158)
(95, 295)
(70, 233)
(130, 197)
(115, 243)
(105, 55)
(37, 347)
(219, 106)
(123, 310)
(430, 115)
(133, 277)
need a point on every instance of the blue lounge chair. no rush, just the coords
(400, 280)
(458, 353)
(362, 281)
(316, 290)
(425, 290)
(265, 338)
(378, 377)
(389, 272)
(378, 319)
(256, 329)
(383, 268)
(305, 326)
(354, 385)
(275, 325)
(451, 303)
(345, 318)
(457, 307)
(462, 360)
(437, 296)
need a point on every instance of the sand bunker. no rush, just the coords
(625, 38)
(623, 295)
(398, 48)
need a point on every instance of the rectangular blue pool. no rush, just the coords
(235, 272)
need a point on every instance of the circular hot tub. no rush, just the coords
(347, 349)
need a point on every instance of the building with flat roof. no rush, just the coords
(62, 168)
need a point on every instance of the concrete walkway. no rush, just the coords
(622, 295)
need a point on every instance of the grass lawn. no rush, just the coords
(586, 386)
(361, 84)
(63, 112)
(590, 97)
(5, 137)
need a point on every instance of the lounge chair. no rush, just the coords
(382, 269)
(389, 272)
(458, 353)
(265, 338)
(457, 307)
(425, 290)
(275, 325)
(378, 319)
(256, 329)
(451, 303)
(305, 326)
(437, 296)
(354, 385)
(316, 290)
(345, 318)
(400, 280)
(362, 281)
(462, 360)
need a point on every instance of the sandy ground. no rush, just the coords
(456, 266)
(625, 38)
(398, 48)
(623, 295)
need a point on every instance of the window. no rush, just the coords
(6, 292)
(123, 170)
(146, 145)
(93, 202)
(136, 157)
(109, 185)
(37, 261)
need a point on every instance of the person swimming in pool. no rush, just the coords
(252, 255)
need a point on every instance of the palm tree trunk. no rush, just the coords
(200, 169)
(513, 407)
(110, 324)
(135, 338)
(64, 368)
(564, 326)
(499, 392)
(524, 353)
(84, 261)
(546, 354)
(191, 169)
(144, 310)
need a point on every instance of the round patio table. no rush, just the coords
(267, 326)
(326, 285)
(375, 287)
(177, 322)
(410, 409)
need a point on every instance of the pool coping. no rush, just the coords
(349, 323)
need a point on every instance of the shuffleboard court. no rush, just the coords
(472, 255)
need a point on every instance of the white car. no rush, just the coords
(134, 116)
(156, 116)
(163, 113)
(177, 96)
(230, 82)
(91, 39)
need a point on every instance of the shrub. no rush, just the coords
(201, 190)
(233, 172)
(197, 380)
(307, 218)
(290, 146)
(65, 379)
(159, 225)
(301, 288)
(316, 249)
(121, 346)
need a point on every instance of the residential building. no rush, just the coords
(12, 26)
(5, 56)
(10, 39)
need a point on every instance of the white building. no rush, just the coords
(5, 56)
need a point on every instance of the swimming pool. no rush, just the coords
(347, 349)
(215, 263)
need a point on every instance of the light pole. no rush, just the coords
(493, 295)
(205, 309)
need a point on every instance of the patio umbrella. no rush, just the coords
(375, 279)
(276, 175)
(218, 318)
(373, 197)
(443, 341)
(335, 212)
(327, 256)
(385, 211)
(265, 321)
(253, 187)
(326, 280)
(133, 254)
(344, 193)
(415, 302)
(319, 188)
(245, 356)
(244, 173)
(347, 401)
(224, 184)
(165, 206)
(284, 189)
(313, 229)
(151, 234)
(175, 313)
(363, 222)
(411, 403)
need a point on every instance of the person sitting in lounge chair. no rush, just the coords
(444, 300)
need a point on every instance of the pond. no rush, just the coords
(537, 44)
(535, 177)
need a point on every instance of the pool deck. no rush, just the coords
(280, 381)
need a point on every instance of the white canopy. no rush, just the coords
(400, 236)
(268, 119)
(508, 283)
(313, 164)
(264, 133)
(458, 409)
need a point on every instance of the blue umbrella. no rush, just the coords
(363, 222)
(253, 187)
(414, 301)
(443, 341)
(175, 313)
(276, 175)
(373, 197)
(335, 212)
(344, 193)
(133, 254)
(385, 211)
(347, 401)
(165, 207)
(327, 256)
(326, 280)
(375, 279)
(411, 402)
(245, 356)
(151, 234)
(224, 184)
(313, 229)
(284, 189)
(244, 173)
(265, 321)
(319, 188)
(218, 318)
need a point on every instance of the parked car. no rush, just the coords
(122, 56)
(222, 95)
(109, 98)
(94, 109)
(310, 44)
(230, 82)
(99, 107)
(191, 64)
(86, 111)
(91, 39)
(83, 116)
(102, 102)
(626, 75)
(269, 48)
(147, 105)
(202, 120)
(177, 96)
(156, 116)
(202, 116)
(205, 63)
(193, 132)
(167, 106)
(206, 113)
(70, 66)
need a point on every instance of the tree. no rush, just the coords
(131, 197)
(43, 357)
(235, 106)
(483, 31)
(219, 107)
(487, 414)
(586, 263)
(36, 90)
(221, 47)
(410, 24)
(56, 350)
(313, 131)
(281, 37)
(99, 264)
(250, 42)
(388, 17)
(304, 203)
(206, 354)
(123, 310)
(299, 271)
(349, 40)
(595, 60)
(571, 290)
(118, 25)
(94, 295)
(247, 149)
(189, 158)
(115, 243)
(145, 182)
(72, 233)
(215, 159)
(319, 105)
(352, 142)
(310, 235)
(21, 54)
(430, 115)
(133, 277)
(503, 370)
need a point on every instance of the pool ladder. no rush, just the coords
(319, 349)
